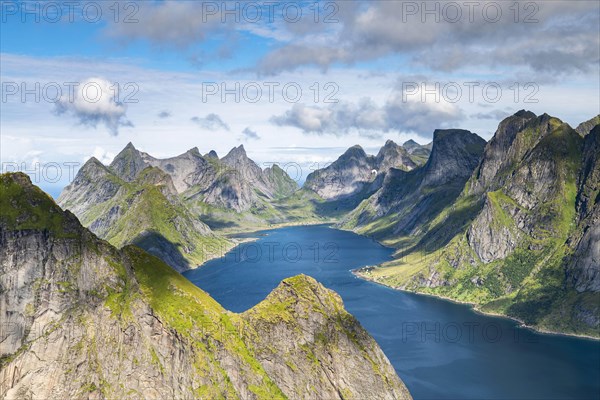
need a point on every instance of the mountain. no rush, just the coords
(418, 153)
(583, 266)
(520, 239)
(143, 209)
(349, 175)
(585, 127)
(233, 182)
(240, 184)
(87, 320)
(355, 174)
(407, 200)
(160, 205)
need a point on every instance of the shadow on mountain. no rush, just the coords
(216, 224)
(438, 235)
(156, 244)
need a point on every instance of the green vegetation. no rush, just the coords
(24, 206)
(530, 284)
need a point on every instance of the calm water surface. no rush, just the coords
(440, 349)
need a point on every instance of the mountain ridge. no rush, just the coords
(517, 240)
(89, 320)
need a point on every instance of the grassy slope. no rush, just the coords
(196, 319)
(529, 284)
(147, 210)
(27, 207)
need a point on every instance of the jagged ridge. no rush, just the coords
(88, 320)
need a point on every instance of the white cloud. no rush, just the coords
(102, 155)
(212, 122)
(400, 113)
(95, 101)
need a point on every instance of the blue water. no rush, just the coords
(440, 349)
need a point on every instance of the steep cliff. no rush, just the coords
(355, 175)
(408, 200)
(82, 319)
(145, 211)
(521, 237)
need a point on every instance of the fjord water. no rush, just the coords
(440, 349)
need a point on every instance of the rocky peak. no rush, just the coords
(93, 167)
(585, 127)
(238, 159)
(355, 152)
(497, 152)
(411, 145)
(303, 305)
(236, 153)
(128, 163)
(350, 174)
(194, 151)
(393, 155)
(212, 154)
(455, 154)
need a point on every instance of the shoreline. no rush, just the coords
(236, 240)
(474, 307)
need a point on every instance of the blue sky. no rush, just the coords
(391, 68)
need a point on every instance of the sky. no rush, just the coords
(295, 82)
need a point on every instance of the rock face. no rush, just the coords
(144, 210)
(454, 156)
(586, 127)
(128, 163)
(418, 153)
(349, 175)
(85, 320)
(408, 199)
(518, 237)
(522, 188)
(500, 154)
(355, 173)
(584, 265)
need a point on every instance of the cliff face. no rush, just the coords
(586, 127)
(519, 239)
(527, 195)
(407, 200)
(356, 174)
(85, 320)
(584, 265)
(144, 210)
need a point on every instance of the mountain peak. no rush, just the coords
(93, 160)
(455, 154)
(524, 114)
(410, 143)
(585, 127)
(391, 155)
(236, 152)
(212, 154)
(354, 151)
(128, 163)
(194, 151)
